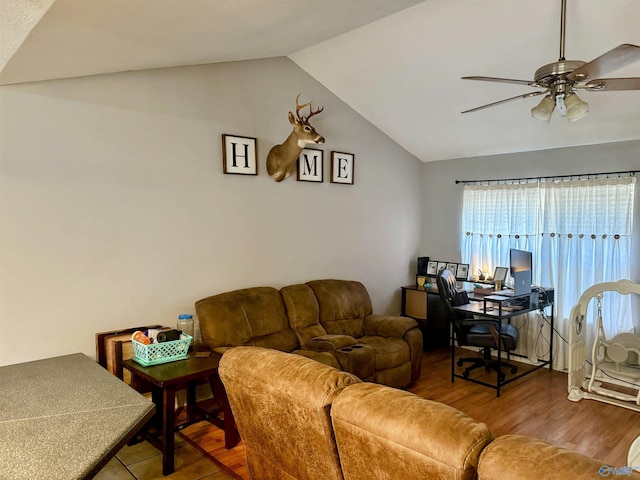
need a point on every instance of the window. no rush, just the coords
(579, 232)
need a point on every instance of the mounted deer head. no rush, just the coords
(282, 158)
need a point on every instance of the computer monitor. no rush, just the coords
(520, 260)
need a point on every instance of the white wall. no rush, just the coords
(442, 197)
(114, 210)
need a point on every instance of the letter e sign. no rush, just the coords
(342, 167)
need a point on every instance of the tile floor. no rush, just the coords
(144, 462)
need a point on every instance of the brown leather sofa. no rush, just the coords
(329, 321)
(281, 405)
(301, 419)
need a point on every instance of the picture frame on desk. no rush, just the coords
(422, 265)
(432, 268)
(441, 267)
(452, 267)
(462, 273)
(500, 274)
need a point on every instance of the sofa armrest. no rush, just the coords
(528, 458)
(330, 343)
(396, 434)
(388, 325)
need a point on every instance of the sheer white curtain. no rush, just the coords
(580, 234)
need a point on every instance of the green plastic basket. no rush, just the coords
(165, 352)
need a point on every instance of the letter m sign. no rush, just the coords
(310, 165)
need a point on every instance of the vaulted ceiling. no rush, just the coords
(397, 62)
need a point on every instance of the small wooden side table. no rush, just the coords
(166, 379)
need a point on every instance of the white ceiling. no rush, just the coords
(397, 62)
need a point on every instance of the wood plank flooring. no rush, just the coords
(209, 439)
(535, 405)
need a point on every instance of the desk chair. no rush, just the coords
(468, 331)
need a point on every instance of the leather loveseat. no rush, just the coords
(303, 420)
(329, 321)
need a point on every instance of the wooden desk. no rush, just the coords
(498, 314)
(423, 304)
(64, 418)
(166, 379)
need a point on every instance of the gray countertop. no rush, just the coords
(64, 418)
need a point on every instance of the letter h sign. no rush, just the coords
(310, 165)
(239, 155)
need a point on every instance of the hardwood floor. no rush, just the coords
(535, 405)
(209, 439)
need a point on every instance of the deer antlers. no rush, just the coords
(281, 160)
(302, 118)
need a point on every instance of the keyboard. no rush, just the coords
(504, 293)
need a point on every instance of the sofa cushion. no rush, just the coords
(251, 316)
(384, 432)
(303, 312)
(343, 306)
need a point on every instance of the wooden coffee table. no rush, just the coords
(166, 379)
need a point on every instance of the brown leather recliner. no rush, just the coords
(304, 319)
(281, 404)
(345, 309)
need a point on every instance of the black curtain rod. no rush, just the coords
(551, 177)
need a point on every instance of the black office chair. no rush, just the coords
(467, 331)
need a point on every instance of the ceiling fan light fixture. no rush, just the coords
(561, 78)
(576, 107)
(544, 109)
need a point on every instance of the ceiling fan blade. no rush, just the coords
(526, 95)
(502, 80)
(612, 60)
(611, 84)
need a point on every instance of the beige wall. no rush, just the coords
(114, 210)
(442, 197)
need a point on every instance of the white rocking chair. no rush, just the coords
(616, 361)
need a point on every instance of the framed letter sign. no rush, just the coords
(310, 165)
(342, 167)
(239, 155)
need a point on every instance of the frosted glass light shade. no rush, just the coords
(544, 109)
(576, 108)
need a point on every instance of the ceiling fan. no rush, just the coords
(561, 79)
